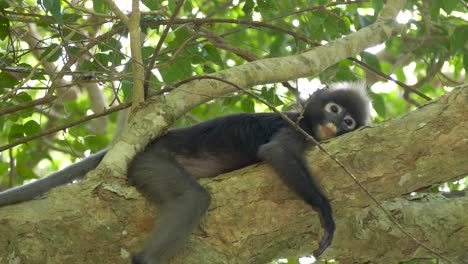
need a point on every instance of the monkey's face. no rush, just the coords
(331, 113)
(335, 120)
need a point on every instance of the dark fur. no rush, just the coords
(166, 171)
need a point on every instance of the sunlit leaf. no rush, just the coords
(248, 105)
(16, 132)
(449, 5)
(31, 127)
(53, 6)
(101, 6)
(459, 39)
(378, 103)
(55, 56)
(4, 27)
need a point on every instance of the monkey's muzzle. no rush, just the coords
(327, 131)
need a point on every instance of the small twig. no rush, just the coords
(383, 75)
(245, 54)
(28, 104)
(156, 51)
(118, 12)
(65, 126)
(87, 11)
(201, 21)
(33, 69)
(172, 59)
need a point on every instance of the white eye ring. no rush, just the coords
(333, 108)
(349, 122)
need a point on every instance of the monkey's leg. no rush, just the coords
(182, 204)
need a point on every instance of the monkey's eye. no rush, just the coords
(349, 122)
(333, 108)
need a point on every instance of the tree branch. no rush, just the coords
(255, 218)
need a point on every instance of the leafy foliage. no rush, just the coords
(79, 53)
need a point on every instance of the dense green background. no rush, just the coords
(432, 57)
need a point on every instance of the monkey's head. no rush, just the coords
(339, 109)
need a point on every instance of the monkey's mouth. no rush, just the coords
(327, 131)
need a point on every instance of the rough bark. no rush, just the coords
(254, 218)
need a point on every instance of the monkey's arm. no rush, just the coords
(285, 154)
(73, 172)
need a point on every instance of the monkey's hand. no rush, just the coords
(324, 243)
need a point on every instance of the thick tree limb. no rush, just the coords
(254, 217)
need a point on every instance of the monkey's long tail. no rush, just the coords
(73, 172)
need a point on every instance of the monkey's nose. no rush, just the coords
(327, 131)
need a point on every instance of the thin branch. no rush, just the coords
(65, 126)
(28, 104)
(156, 51)
(385, 76)
(173, 57)
(201, 21)
(135, 49)
(33, 69)
(87, 11)
(247, 55)
(118, 12)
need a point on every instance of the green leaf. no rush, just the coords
(4, 4)
(459, 39)
(188, 7)
(377, 5)
(434, 8)
(265, 5)
(53, 6)
(4, 168)
(103, 59)
(248, 7)
(449, 5)
(87, 66)
(211, 53)
(6, 81)
(110, 44)
(31, 127)
(318, 18)
(101, 7)
(151, 4)
(248, 105)
(96, 142)
(271, 97)
(53, 57)
(16, 132)
(465, 61)
(24, 97)
(127, 91)
(25, 171)
(178, 70)
(181, 36)
(378, 103)
(4, 27)
(371, 60)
